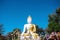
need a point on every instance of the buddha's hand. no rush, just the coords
(22, 34)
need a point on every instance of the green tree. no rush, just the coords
(39, 30)
(54, 22)
(1, 29)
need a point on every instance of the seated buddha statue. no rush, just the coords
(29, 29)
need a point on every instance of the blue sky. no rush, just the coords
(14, 13)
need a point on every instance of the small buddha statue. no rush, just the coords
(29, 29)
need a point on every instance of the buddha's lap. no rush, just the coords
(26, 34)
(35, 35)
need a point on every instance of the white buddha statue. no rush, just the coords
(29, 29)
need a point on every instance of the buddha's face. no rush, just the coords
(29, 19)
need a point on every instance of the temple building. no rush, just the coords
(15, 35)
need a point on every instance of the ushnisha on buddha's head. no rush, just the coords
(29, 19)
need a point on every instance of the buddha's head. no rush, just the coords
(29, 19)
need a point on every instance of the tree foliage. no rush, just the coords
(1, 29)
(54, 22)
(39, 30)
